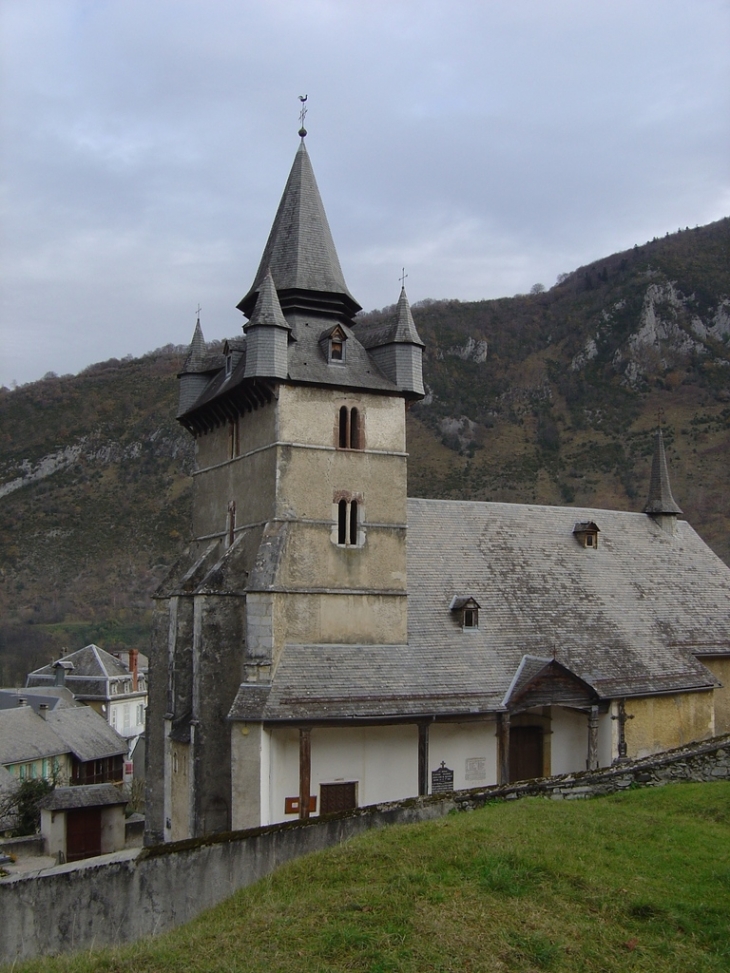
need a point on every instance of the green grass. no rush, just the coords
(639, 881)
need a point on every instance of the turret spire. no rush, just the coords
(300, 252)
(660, 499)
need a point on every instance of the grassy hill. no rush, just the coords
(639, 881)
(550, 397)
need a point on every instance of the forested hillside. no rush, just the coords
(550, 397)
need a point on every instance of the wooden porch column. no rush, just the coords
(305, 770)
(503, 748)
(592, 761)
(422, 758)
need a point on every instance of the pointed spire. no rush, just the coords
(405, 330)
(300, 252)
(660, 499)
(267, 311)
(196, 355)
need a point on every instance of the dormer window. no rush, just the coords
(466, 610)
(586, 533)
(333, 344)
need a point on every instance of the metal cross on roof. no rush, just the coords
(302, 115)
(402, 277)
(197, 313)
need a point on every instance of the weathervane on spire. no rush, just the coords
(402, 277)
(197, 313)
(302, 116)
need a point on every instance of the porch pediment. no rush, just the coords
(547, 682)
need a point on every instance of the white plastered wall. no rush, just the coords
(383, 760)
(569, 740)
(469, 749)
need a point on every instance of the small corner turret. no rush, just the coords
(397, 349)
(661, 505)
(194, 376)
(267, 335)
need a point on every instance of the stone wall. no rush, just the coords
(123, 897)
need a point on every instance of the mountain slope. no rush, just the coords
(549, 398)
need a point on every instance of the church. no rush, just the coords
(327, 642)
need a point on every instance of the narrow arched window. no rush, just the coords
(343, 428)
(342, 522)
(354, 429)
(353, 523)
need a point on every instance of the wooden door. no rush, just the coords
(525, 752)
(338, 797)
(83, 833)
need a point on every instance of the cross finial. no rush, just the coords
(403, 277)
(197, 313)
(302, 115)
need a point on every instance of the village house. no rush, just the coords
(65, 745)
(105, 683)
(327, 642)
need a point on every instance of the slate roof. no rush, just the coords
(52, 696)
(300, 251)
(660, 499)
(25, 736)
(400, 329)
(82, 795)
(93, 674)
(86, 734)
(80, 730)
(626, 618)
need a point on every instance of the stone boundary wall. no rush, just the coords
(122, 897)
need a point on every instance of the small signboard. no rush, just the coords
(442, 780)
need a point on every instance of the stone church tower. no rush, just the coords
(299, 515)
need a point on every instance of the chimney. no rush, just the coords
(62, 669)
(43, 710)
(133, 653)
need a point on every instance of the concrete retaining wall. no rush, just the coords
(122, 897)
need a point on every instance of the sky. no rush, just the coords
(483, 145)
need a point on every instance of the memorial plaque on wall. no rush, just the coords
(476, 768)
(442, 780)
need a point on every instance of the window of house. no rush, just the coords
(140, 715)
(471, 618)
(586, 533)
(333, 344)
(350, 428)
(233, 438)
(114, 716)
(229, 364)
(127, 716)
(348, 522)
(466, 610)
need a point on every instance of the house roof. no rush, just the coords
(25, 736)
(52, 696)
(87, 734)
(92, 676)
(82, 795)
(627, 619)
